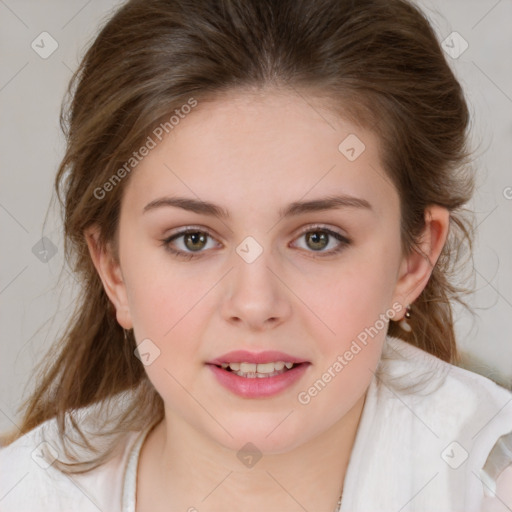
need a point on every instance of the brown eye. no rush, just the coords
(189, 243)
(317, 240)
(195, 241)
(323, 241)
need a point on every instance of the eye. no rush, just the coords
(191, 243)
(318, 238)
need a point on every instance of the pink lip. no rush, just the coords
(243, 356)
(258, 388)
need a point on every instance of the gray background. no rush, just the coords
(34, 305)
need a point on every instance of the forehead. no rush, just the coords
(275, 145)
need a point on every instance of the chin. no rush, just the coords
(267, 437)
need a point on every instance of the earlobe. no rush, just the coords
(416, 268)
(109, 271)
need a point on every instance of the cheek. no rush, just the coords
(355, 315)
(166, 310)
(159, 293)
(351, 295)
(353, 303)
(340, 384)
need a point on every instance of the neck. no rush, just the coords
(181, 469)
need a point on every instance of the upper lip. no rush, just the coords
(268, 356)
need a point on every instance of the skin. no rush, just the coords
(253, 154)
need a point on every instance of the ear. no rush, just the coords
(109, 270)
(416, 268)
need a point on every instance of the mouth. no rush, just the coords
(263, 374)
(260, 370)
(261, 380)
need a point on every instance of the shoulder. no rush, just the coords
(460, 412)
(452, 398)
(30, 480)
(406, 367)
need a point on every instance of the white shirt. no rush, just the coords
(428, 450)
(422, 451)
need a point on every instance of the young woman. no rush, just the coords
(263, 202)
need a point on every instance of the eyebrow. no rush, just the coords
(295, 208)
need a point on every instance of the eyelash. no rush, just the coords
(344, 241)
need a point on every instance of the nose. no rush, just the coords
(256, 296)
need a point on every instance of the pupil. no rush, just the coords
(196, 238)
(318, 239)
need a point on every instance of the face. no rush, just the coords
(277, 270)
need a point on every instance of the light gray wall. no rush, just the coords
(33, 308)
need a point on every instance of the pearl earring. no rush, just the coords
(404, 324)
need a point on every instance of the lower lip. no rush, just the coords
(258, 387)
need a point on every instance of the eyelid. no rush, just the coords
(322, 227)
(342, 240)
(310, 227)
(188, 229)
(184, 230)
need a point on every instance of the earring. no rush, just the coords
(404, 324)
(125, 332)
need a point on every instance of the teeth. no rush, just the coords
(247, 367)
(262, 368)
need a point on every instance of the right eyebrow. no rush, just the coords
(189, 204)
(295, 208)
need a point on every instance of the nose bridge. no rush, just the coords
(255, 295)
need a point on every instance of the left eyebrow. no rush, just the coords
(295, 208)
(327, 203)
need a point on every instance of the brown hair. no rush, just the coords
(377, 61)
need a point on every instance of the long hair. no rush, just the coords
(378, 62)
